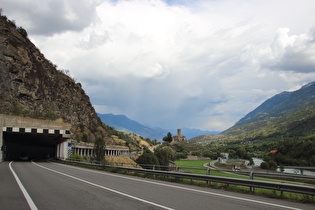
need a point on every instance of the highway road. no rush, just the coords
(46, 185)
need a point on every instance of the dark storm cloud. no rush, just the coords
(51, 16)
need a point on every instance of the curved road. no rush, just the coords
(45, 185)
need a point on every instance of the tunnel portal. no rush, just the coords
(29, 146)
(31, 139)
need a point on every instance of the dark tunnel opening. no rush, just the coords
(29, 146)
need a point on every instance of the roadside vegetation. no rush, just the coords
(162, 155)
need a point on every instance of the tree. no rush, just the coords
(164, 154)
(264, 165)
(154, 142)
(99, 149)
(147, 158)
(272, 165)
(168, 138)
(281, 168)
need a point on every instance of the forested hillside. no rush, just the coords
(295, 152)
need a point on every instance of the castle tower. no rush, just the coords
(178, 137)
(179, 132)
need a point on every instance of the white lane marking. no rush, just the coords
(105, 188)
(188, 189)
(26, 195)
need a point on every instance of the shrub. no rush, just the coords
(22, 31)
(12, 22)
(75, 157)
(264, 165)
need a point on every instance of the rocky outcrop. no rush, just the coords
(31, 86)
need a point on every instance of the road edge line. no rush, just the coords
(25, 193)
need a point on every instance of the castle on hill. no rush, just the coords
(178, 137)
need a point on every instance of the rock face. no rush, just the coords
(31, 86)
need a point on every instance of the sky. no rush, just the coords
(200, 64)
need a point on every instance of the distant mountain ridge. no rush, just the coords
(282, 103)
(124, 124)
(262, 111)
(287, 113)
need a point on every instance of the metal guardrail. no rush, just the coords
(250, 174)
(282, 187)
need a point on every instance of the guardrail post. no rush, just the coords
(177, 169)
(136, 165)
(251, 177)
(153, 170)
(122, 164)
(208, 173)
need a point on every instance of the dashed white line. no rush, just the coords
(25, 193)
(105, 188)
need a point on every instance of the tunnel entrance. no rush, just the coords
(30, 146)
(32, 139)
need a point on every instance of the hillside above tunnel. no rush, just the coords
(32, 86)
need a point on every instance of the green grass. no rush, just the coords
(199, 164)
(191, 163)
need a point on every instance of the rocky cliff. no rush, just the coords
(31, 86)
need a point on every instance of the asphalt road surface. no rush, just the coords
(45, 185)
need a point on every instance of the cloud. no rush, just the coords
(286, 52)
(198, 64)
(52, 16)
(95, 40)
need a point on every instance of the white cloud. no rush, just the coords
(200, 64)
(286, 53)
(95, 40)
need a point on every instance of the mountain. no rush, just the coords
(192, 132)
(124, 124)
(285, 114)
(282, 104)
(288, 114)
(31, 86)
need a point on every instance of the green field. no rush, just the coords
(191, 163)
(199, 164)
